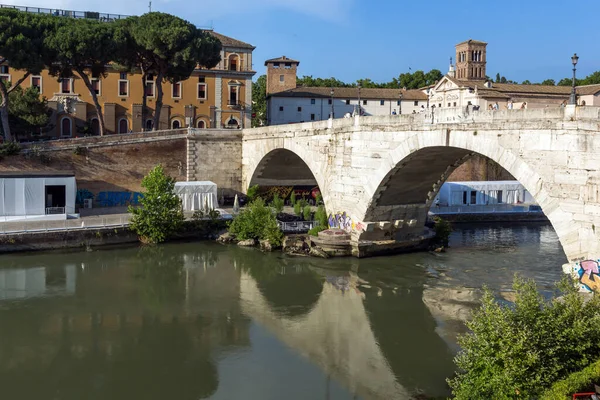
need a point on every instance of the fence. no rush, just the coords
(485, 209)
(297, 226)
(29, 226)
(68, 13)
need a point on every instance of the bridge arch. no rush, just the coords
(284, 166)
(406, 183)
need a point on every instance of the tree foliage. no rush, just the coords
(259, 102)
(160, 214)
(517, 352)
(27, 111)
(257, 221)
(22, 43)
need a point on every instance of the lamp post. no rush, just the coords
(573, 99)
(331, 93)
(428, 89)
(400, 103)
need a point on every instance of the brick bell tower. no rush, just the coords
(471, 60)
(281, 74)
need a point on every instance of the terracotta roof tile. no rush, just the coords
(352, 93)
(282, 59)
(227, 41)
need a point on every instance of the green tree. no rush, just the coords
(277, 204)
(526, 82)
(518, 351)
(83, 46)
(549, 82)
(27, 111)
(160, 214)
(257, 221)
(22, 43)
(259, 102)
(173, 48)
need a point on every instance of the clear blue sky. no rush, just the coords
(378, 39)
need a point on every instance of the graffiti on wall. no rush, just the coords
(342, 220)
(114, 199)
(588, 273)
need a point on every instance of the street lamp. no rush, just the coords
(573, 99)
(428, 90)
(331, 93)
(358, 108)
(400, 103)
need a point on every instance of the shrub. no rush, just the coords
(252, 193)
(298, 209)
(256, 221)
(518, 351)
(319, 199)
(307, 213)
(10, 148)
(580, 381)
(277, 204)
(321, 217)
(443, 229)
(315, 231)
(293, 198)
(80, 151)
(160, 214)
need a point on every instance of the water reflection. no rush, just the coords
(21, 283)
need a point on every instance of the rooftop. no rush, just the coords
(504, 89)
(282, 59)
(352, 93)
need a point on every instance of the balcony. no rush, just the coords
(234, 104)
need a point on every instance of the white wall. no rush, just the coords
(321, 108)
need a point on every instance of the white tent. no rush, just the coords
(197, 195)
(483, 192)
(36, 194)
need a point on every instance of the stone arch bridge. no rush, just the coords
(381, 174)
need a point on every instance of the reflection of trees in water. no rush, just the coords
(290, 288)
(405, 331)
(158, 361)
(160, 276)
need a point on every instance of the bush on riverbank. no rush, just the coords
(443, 229)
(160, 214)
(518, 351)
(580, 381)
(257, 221)
(321, 218)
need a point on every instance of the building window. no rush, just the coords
(65, 126)
(280, 108)
(288, 65)
(233, 123)
(201, 91)
(440, 105)
(448, 104)
(66, 85)
(299, 109)
(275, 65)
(201, 79)
(4, 69)
(95, 126)
(123, 88)
(365, 102)
(123, 75)
(176, 90)
(454, 104)
(499, 196)
(233, 62)
(201, 124)
(150, 86)
(175, 124)
(149, 124)
(398, 102)
(36, 82)
(347, 102)
(473, 197)
(281, 78)
(416, 103)
(382, 102)
(312, 117)
(329, 101)
(96, 86)
(123, 125)
(233, 95)
(312, 101)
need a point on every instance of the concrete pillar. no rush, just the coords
(165, 117)
(110, 121)
(136, 118)
(213, 117)
(190, 116)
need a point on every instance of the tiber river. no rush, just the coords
(201, 320)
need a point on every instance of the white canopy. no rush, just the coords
(197, 195)
(37, 195)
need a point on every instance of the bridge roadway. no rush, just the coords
(379, 175)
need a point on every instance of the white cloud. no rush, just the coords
(203, 10)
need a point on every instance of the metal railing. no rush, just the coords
(33, 226)
(68, 13)
(55, 210)
(297, 226)
(485, 209)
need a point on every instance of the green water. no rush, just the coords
(201, 320)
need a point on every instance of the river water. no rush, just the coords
(201, 320)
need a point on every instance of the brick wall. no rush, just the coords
(480, 168)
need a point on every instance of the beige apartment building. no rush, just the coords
(220, 97)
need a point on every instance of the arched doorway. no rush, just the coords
(95, 126)
(233, 123)
(201, 124)
(65, 127)
(149, 124)
(123, 125)
(175, 124)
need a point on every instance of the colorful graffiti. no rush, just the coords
(588, 273)
(114, 199)
(343, 221)
(82, 195)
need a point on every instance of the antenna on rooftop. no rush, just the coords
(149, 6)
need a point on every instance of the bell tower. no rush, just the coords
(471, 60)
(281, 74)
